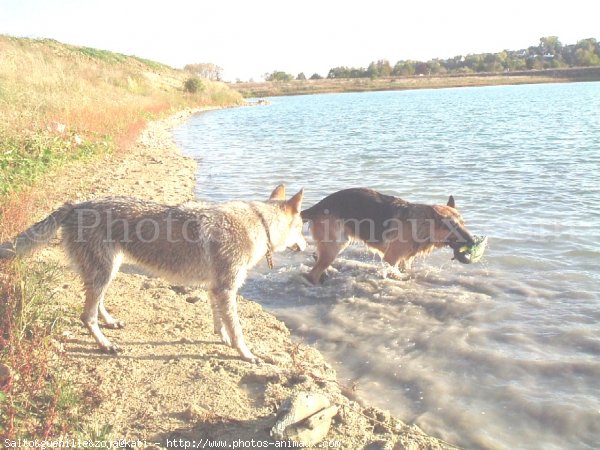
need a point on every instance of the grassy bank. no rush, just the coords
(59, 104)
(301, 87)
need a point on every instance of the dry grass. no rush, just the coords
(33, 400)
(61, 103)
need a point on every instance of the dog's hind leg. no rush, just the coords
(97, 273)
(110, 321)
(226, 303)
(398, 257)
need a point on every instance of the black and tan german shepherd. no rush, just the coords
(395, 228)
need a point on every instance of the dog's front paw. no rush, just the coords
(308, 278)
(109, 349)
(255, 360)
(305, 278)
(248, 356)
(116, 325)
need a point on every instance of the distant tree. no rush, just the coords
(339, 72)
(535, 62)
(278, 75)
(584, 57)
(557, 63)
(358, 72)
(550, 45)
(463, 70)
(516, 61)
(384, 67)
(301, 76)
(373, 70)
(475, 62)
(453, 64)
(502, 60)
(435, 67)
(404, 69)
(205, 70)
(421, 68)
(491, 62)
(381, 68)
(347, 72)
(316, 76)
(587, 53)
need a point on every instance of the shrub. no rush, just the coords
(193, 85)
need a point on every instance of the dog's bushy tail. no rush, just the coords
(37, 235)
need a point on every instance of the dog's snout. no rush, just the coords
(469, 240)
(461, 236)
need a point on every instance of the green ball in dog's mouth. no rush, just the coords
(471, 254)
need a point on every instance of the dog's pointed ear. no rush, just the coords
(278, 193)
(451, 203)
(295, 203)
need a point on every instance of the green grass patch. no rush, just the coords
(103, 55)
(24, 158)
(151, 64)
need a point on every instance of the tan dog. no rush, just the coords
(206, 244)
(394, 228)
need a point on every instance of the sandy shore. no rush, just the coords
(173, 378)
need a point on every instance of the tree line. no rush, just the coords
(550, 53)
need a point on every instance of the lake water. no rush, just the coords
(503, 354)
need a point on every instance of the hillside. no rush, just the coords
(60, 102)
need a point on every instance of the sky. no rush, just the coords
(250, 38)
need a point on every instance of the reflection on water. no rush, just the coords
(502, 354)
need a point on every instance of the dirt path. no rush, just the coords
(173, 379)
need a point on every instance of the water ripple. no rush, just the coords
(501, 355)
